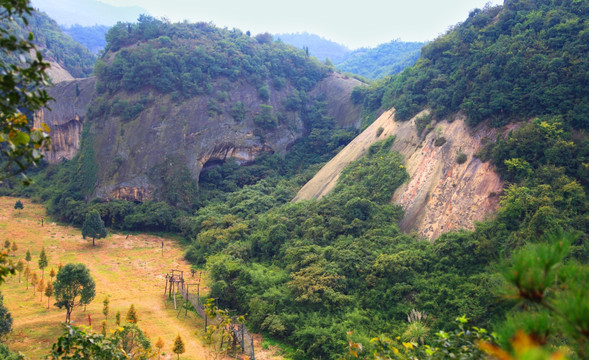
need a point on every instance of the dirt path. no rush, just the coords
(128, 270)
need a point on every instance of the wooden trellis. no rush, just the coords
(175, 283)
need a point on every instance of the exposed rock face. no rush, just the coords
(199, 130)
(441, 194)
(57, 73)
(68, 111)
(337, 89)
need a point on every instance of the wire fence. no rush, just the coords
(240, 332)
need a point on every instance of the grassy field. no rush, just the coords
(128, 270)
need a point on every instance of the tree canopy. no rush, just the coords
(523, 59)
(73, 286)
(93, 227)
(21, 94)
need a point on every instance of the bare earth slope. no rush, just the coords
(441, 194)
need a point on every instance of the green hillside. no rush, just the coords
(55, 45)
(91, 37)
(527, 58)
(375, 63)
(321, 276)
(383, 60)
(188, 57)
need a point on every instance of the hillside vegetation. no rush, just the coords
(91, 37)
(54, 44)
(308, 272)
(371, 63)
(383, 60)
(504, 63)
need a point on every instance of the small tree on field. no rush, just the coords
(49, 293)
(73, 287)
(132, 315)
(103, 327)
(178, 346)
(93, 227)
(7, 245)
(20, 266)
(52, 274)
(41, 288)
(28, 256)
(105, 307)
(14, 248)
(159, 344)
(18, 206)
(27, 275)
(43, 262)
(34, 281)
(118, 318)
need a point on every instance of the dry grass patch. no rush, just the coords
(130, 270)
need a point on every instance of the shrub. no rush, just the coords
(422, 122)
(379, 131)
(440, 141)
(461, 158)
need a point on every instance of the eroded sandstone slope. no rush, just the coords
(441, 194)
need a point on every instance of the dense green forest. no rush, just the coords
(306, 273)
(187, 57)
(383, 60)
(524, 59)
(54, 44)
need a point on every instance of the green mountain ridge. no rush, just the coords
(372, 63)
(90, 36)
(383, 60)
(179, 107)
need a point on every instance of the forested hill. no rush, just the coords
(383, 60)
(188, 57)
(90, 36)
(198, 95)
(372, 63)
(55, 45)
(504, 63)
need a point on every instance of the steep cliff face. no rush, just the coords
(65, 117)
(337, 89)
(57, 73)
(201, 130)
(441, 194)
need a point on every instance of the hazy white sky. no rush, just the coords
(365, 23)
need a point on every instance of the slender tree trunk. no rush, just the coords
(93, 243)
(48, 302)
